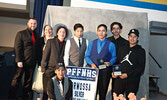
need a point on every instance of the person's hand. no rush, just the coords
(114, 76)
(40, 70)
(115, 96)
(94, 66)
(121, 97)
(132, 96)
(20, 64)
(123, 76)
(107, 64)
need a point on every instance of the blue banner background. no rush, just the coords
(133, 3)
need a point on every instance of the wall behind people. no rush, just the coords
(91, 18)
(158, 50)
(9, 28)
(157, 11)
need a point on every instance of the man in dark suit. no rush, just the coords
(118, 40)
(52, 54)
(24, 47)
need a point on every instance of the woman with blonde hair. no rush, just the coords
(48, 34)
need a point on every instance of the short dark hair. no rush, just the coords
(78, 25)
(116, 23)
(58, 28)
(102, 25)
(32, 19)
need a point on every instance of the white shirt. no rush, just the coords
(67, 49)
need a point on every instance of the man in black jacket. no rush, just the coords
(116, 29)
(131, 58)
(24, 47)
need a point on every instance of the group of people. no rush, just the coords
(53, 54)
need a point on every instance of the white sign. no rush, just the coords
(84, 82)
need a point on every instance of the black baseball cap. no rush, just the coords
(135, 31)
(60, 64)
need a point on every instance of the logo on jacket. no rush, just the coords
(126, 58)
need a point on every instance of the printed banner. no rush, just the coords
(84, 82)
(148, 4)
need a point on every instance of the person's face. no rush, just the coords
(61, 33)
(116, 30)
(78, 32)
(60, 72)
(48, 31)
(32, 24)
(101, 33)
(133, 39)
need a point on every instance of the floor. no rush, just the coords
(6, 74)
(9, 71)
(156, 96)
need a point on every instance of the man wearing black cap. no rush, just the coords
(60, 87)
(131, 58)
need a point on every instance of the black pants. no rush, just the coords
(103, 82)
(126, 86)
(46, 78)
(112, 85)
(27, 87)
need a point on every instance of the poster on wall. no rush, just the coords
(84, 82)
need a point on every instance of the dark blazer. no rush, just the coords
(39, 49)
(51, 89)
(24, 49)
(119, 42)
(51, 56)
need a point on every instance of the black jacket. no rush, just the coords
(24, 49)
(39, 49)
(137, 58)
(51, 89)
(119, 42)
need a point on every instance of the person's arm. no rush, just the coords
(66, 53)
(50, 90)
(84, 65)
(46, 56)
(19, 50)
(88, 53)
(112, 50)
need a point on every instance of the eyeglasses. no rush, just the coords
(116, 29)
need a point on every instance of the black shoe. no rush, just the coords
(30, 96)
